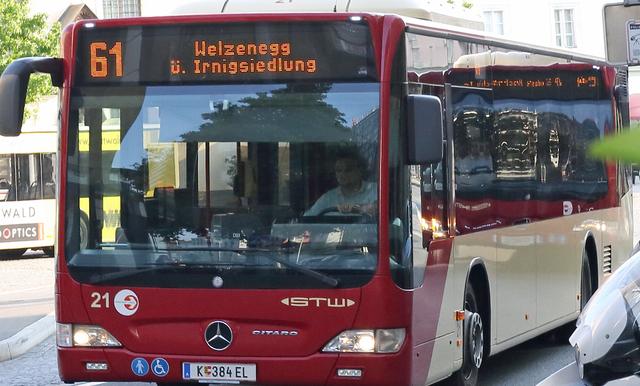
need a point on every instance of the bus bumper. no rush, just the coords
(318, 369)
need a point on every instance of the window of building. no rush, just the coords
(564, 28)
(493, 22)
(121, 8)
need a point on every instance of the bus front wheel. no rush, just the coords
(473, 342)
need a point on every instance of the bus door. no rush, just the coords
(430, 215)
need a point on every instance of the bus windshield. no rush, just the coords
(234, 186)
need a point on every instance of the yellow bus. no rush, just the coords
(27, 193)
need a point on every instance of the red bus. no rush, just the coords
(322, 199)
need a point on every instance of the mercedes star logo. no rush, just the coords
(218, 335)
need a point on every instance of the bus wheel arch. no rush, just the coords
(477, 316)
(478, 278)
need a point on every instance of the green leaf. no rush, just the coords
(623, 147)
(23, 35)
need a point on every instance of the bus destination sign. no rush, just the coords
(537, 82)
(225, 53)
(222, 58)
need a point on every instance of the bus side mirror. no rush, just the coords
(425, 129)
(13, 89)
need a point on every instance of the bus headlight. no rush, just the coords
(367, 341)
(69, 335)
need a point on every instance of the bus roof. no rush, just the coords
(30, 143)
(435, 16)
(421, 9)
(513, 58)
(482, 37)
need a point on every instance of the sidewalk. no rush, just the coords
(28, 337)
(26, 304)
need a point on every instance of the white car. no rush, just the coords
(607, 337)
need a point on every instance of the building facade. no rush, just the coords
(572, 24)
(575, 25)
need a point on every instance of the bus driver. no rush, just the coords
(353, 194)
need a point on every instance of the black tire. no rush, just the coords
(586, 284)
(12, 253)
(473, 342)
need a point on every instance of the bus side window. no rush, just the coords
(417, 202)
(423, 209)
(5, 189)
(24, 179)
(48, 178)
(400, 210)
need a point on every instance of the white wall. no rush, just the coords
(53, 9)
(532, 21)
(157, 7)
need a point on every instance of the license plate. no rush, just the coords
(219, 371)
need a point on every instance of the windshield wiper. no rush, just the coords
(326, 279)
(121, 275)
(152, 267)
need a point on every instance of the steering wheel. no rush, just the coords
(481, 169)
(355, 212)
(331, 209)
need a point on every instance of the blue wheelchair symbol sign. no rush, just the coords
(160, 367)
(140, 367)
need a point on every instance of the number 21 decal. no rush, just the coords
(125, 301)
(100, 300)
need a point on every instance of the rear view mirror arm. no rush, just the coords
(13, 88)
